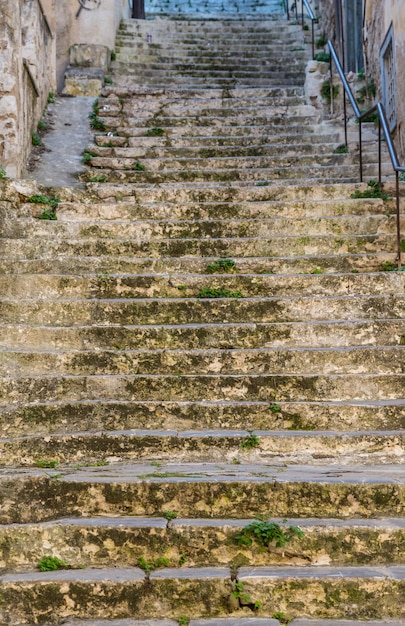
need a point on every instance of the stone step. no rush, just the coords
(232, 142)
(107, 265)
(108, 592)
(247, 335)
(201, 63)
(124, 79)
(189, 310)
(261, 228)
(201, 490)
(189, 286)
(98, 415)
(175, 94)
(239, 191)
(168, 153)
(362, 360)
(217, 248)
(139, 209)
(191, 387)
(119, 542)
(150, 445)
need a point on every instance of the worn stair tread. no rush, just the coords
(222, 473)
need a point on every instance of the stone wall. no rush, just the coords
(35, 37)
(378, 16)
(26, 78)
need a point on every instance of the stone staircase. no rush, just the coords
(202, 359)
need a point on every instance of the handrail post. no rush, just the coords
(313, 39)
(302, 12)
(361, 152)
(379, 152)
(398, 221)
(345, 116)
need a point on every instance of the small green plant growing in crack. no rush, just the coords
(388, 266)
(3, 173)
(36, 139)
(225, 266)
(265, 533)
(282, 618)
(275, 408)
(98, 179)
(51, 98)
(183, 620)
(41, 199)
(321, 41)
(108, 80)
(87, 156)
(212, 292)
(322, 57)
(95, 122)
(138, 167)
(262, 183)
(243, 598)
(46, 464)
(48, 214)
(113, 55)
(155, 132)
(51, 563)
(42, 125)
(373, 190)
(149, 566)
(341, 149)
(317, 270)
(249, 442)
(329, 91)
(169, 515)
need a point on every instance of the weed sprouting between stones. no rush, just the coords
(51, 563)
(48, 214)
(3, 173)
(149, 566)
(342, 149)
(374, 190)
(212, 292)
(169, 515)
(46, 464)
(223, 266)
(243, 598)
(41, 199)
(183, 620)
(138, 167)
(95, 122)
(249, 442)
(155, 132)
(265, 533)
(275, 408)
(323, 57)
(282, 618)
(51, 98)
(36, 139)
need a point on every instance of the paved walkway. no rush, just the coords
(69, 134)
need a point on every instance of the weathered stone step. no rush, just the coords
(73, 288)
(106, 265)
(312, 174)
(244, 57)
(330, 360)
(261, 227)
(191, 387)
(240, 191)
(224, 248)
(121, 78)
(254, 209)
(225, 336)
(202, 490)
(214, 152)
(267, 121)
(64, 417)
(108, 592)
(108, 541)
(285, 142)
(188, 310)
(176, 94)
(316, 448)
(202, 65)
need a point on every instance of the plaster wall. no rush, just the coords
(86, 22)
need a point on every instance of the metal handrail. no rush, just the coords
(310, 14)
(382, 126)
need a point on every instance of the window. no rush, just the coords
(388, 77)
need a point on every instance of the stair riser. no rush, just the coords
(43, 498)
(265, 388)
(186, 311)
(64, 417)
(321, 335)
(314, 449)
(110, 545)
